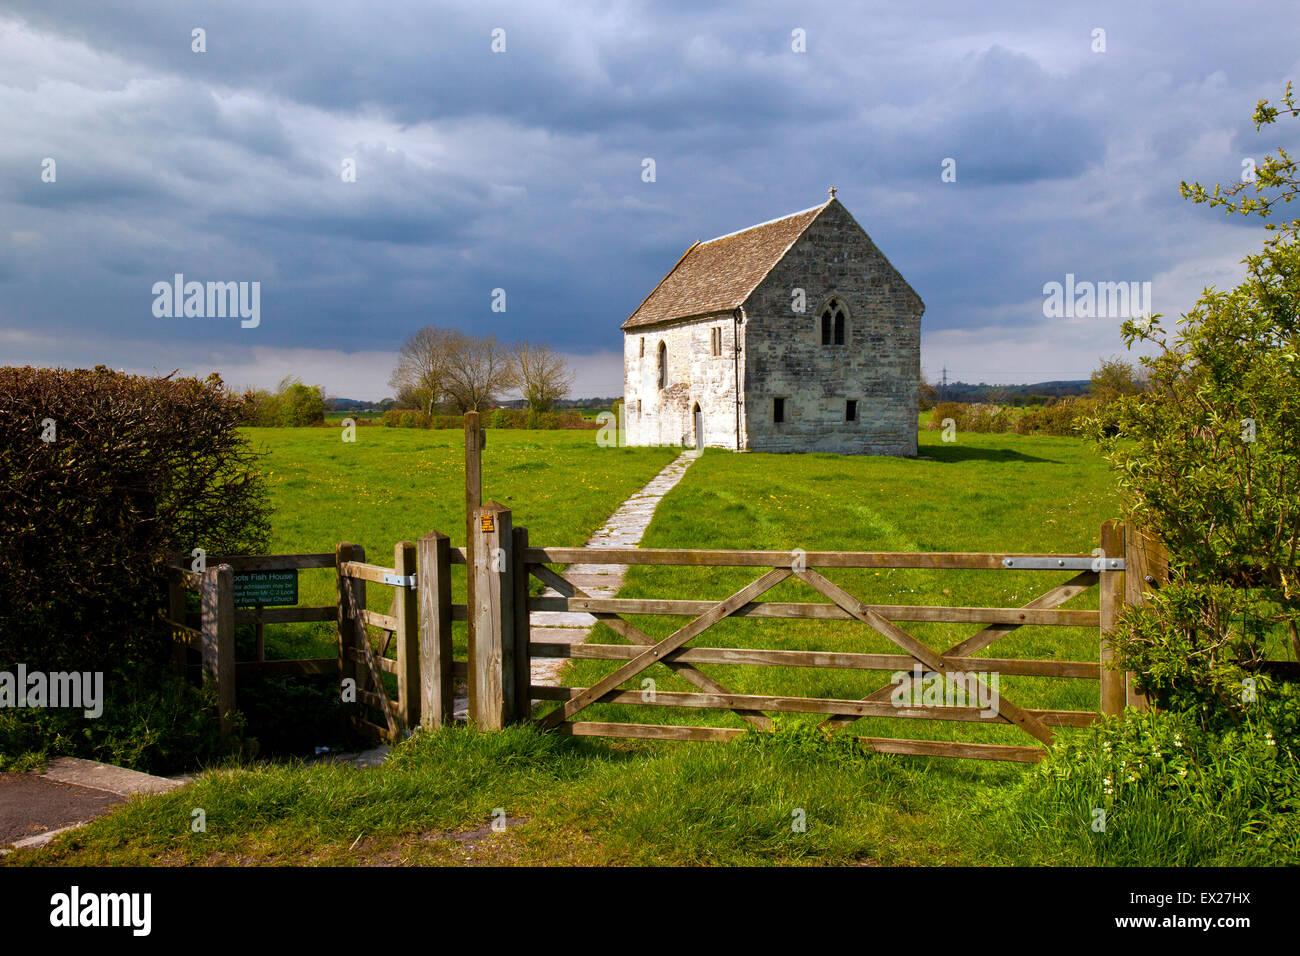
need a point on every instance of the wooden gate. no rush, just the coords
(504, 694)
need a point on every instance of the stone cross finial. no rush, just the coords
(832, 192)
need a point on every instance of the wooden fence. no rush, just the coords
(500, 688)
(499, 562)
(210, 633)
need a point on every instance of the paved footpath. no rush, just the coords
(623, 530)
(36, 807)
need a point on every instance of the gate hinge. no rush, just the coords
(401, 580)
(1064, 564)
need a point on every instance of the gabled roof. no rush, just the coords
(719, 275)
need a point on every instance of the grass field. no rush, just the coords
(598, 801)
(395, 484)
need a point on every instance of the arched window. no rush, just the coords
(834, 323)
(663, 365)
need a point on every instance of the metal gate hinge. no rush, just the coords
(401, 580)
(1064, 564)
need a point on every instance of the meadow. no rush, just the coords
(582, 801)
(396, 484)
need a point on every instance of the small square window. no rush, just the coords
(778, 410)
(851, 410)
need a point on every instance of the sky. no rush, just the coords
(382, 166)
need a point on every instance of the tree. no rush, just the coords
(478, 371)
(423, 364)
(542, 375)
(1209, 460)
(1115, 378)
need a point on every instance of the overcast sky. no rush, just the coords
(523, 170)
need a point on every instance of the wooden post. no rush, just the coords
(520, 659)
(259, 633)
(437, 690)
(407, 637)
(351, 599)
(1147, 568)
(1111, 597)
(176, 612)
(218, 625)
(473, 498)
(491, 678)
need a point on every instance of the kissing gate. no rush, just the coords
(414, 641)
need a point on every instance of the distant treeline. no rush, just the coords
(1040, 393)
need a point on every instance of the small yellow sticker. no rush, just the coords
(489, 523)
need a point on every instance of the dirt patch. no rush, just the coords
(31, 805)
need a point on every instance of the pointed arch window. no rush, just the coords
(834, 323)
(663, 365)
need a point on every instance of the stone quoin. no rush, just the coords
(795, 335)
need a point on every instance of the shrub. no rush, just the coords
(1208, 461)
(1173, 792)
(292, 405)
(104, 475)
(1063, 416)
(152, 721)
(971, 418)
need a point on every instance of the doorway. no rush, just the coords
(699, 426)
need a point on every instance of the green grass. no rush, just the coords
(394, 484)
(587, 801)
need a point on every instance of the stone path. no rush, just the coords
(623, 530)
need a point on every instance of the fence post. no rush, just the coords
(176, 613)
(491, 680)
(218, 625)
(351, 598)
(437, 688)
(1147, 568)
(1110, 585)
(473, 498)
(408, 637)
(520, 658)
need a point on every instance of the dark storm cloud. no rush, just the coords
(522, 170)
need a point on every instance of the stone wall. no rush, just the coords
(879, 365)
(654, 416)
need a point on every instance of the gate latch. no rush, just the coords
(401, 580)
(1038, 563)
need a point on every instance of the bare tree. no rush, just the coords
(423, 364)
(541, 375)
(479, 370)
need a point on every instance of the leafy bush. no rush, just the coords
(1173, 793)
(1208, 461)
(152, 721)
(1063, 416)
(104, 475)
(972, 418)
(291, 405)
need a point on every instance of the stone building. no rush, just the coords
(792, 335)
